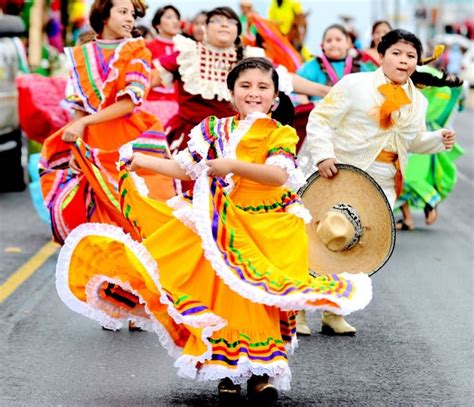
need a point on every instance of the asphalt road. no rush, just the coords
(414, 345)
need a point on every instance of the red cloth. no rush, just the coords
(301, 120)
(160, 47)
(39, 110)
(192, 108)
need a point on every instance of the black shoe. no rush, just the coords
(260, 392)
(229, 393)
(133, 328)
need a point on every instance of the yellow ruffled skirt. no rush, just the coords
(218, 276)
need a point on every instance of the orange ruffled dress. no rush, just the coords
(101, 73)
(219, 272)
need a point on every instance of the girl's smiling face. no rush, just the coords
(254, 91)
(399, 62)
(379, 32)
(121, 21)
(335, 44)
(221, 31)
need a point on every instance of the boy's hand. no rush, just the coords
(449, 138)
(327, 168)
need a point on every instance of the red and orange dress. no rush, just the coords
(102, 72)
(221, 270)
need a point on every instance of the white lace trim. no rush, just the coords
(189, 61)
(278, 371)
(285, 81)
(300, 211)
(185, 161)
(295, 177)
(183, 211)
(290, 302)
(126, 153)
(96, 302)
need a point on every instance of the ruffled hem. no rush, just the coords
(287, 302)
(198, 367)
(300, 211)
(136, 94)
(208, 322)
(183, 211)
(278, 372)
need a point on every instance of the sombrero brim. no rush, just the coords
(355, 187)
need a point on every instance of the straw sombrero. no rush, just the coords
(352, 229)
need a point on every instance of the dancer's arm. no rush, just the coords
(262, 173)
(161, 166)
(306, 87)
(118, 109)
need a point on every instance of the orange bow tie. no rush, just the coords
(395, 98)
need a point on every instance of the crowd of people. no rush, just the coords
(174, 186)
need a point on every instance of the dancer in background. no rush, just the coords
(429, 179)
(110, 79)
(201, 70)
(162, 101)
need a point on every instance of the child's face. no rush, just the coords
(253, 92)
(121, 21)
(335, 44)
(221, 31)
(379, 32)
(399, 62)
(169, 23)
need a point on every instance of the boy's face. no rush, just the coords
(399, 62)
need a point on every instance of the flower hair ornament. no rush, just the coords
(275, 104)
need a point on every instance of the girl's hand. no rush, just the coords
(449, 137)
(74, 166)
(327, 168)
(74, 131)
(135, 162)
(220, 167)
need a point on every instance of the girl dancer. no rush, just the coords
(221, 268)
(110, 78)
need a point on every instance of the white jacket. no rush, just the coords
(344, 125)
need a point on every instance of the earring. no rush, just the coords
(275, 104)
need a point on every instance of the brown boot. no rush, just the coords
(333, 324)
(302, 327)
